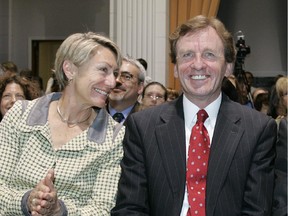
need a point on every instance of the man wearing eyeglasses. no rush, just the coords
(129, 85)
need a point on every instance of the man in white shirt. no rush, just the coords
(238, 176)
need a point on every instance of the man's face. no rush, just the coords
(128, 87)
(201, 65)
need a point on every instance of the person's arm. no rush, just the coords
(132, 197)
(105, 184)
(10, 199)
(258, 194)
(43, 199)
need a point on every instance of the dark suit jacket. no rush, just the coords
(280, 190)
(240, 170)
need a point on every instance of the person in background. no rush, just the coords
(12, 88)
(229, 87)
(258, 91)
(129, 85)
(52, 84)
(34, 78)
(60, 153)
(250, 80)
(143, 62)
(228, 169)
(153, 94)
(9, 67)
(172, 94)
(261, 102)
(278, 99)
(282, 93)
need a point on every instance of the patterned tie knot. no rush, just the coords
(118, 117)
(202, 116)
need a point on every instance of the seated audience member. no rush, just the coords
(9, 67)
(261, 102)
(153, 94)
(60, 155)
(34, 78)
(13, 88)
(129, 85)
(245, 97)
(230, 89)
(282, 93)
(275, 109)
(52, 84)
(280, 189)
(172, 94)
(143, 62)
(257, 91)
(250, 80)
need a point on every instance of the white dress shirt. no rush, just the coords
(190, 116)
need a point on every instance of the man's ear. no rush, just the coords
(175, 71)
(229, 69)
(69, 69)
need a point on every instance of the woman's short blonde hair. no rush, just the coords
(79, 48)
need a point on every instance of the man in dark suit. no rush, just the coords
(280, 189)
(129, 85)
(240, 171)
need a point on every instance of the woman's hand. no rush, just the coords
(43, 199)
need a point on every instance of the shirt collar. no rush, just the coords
(125, 112)
(190, 111)
(96, 132)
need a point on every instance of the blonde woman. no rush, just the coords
(60, 153)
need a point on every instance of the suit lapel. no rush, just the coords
(226, 138)
(170, 137)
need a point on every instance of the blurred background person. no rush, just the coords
(281, 90)
(9, 67)
(229, 87)
(33, 77)
(52, 84)
(153, 94)
(261, 102)
(143, 62)
(172, 94)
(13, 88)
(259, 90)
(278, 98)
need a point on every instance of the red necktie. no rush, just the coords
(197, 163)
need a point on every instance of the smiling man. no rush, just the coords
(129, 85)
(201, 154)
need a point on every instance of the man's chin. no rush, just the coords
(115, 97)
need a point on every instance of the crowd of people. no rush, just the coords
(103, 138)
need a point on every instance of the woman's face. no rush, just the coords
(95, 79)
(11, 94)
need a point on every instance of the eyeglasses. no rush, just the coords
(154, 97)
(190, 56)
(125, 76)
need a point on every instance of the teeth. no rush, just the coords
(198, 77)
(101, 92)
